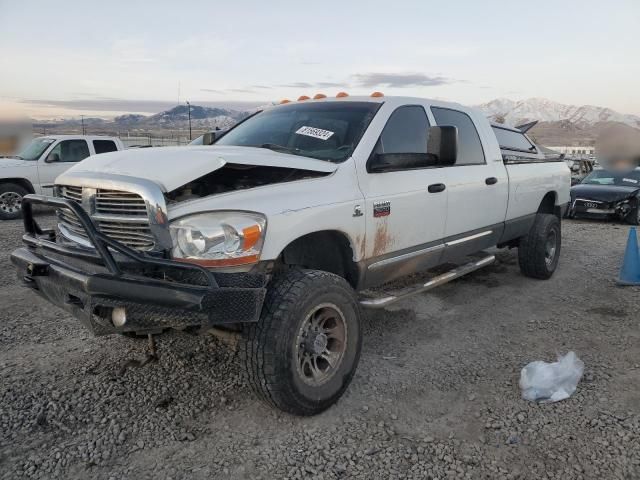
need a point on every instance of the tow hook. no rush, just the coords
(151, 356)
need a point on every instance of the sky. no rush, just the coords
(66, 58)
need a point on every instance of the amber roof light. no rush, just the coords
(342, 95)
(302, 98)
(285, 100)
(319, 96)
(377, 94)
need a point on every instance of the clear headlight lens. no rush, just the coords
(219, 239)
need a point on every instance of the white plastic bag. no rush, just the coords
(551, 382)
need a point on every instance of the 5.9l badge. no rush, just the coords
(382, 209)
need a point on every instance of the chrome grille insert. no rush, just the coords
(118, 214)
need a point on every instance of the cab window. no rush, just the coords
(403, 142)
(69, 151)
(104, 146)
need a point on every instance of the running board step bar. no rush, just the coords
(382, 302)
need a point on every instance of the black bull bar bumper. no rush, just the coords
(150, 292)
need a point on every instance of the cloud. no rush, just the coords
(313, 85)
(260, 86)
(331, 84)
(399, 80)
(131, 106)
(241, 90)
(296, 85)
(211, 90)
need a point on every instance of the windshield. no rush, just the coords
(607, 177)
(34, 149)
(324, 130)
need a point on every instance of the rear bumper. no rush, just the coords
(156, 294)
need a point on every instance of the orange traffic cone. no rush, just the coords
(630, 271)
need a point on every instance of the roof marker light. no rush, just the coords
(342, 95)
(319, 96)
(285, 100)
(377, 94)
(302, 98)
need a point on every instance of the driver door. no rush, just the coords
(405, 208)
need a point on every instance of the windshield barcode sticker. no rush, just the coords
(630, 180)
(315, 132)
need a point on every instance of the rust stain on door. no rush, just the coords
(382, 241)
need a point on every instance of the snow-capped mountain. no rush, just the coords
(518, 112)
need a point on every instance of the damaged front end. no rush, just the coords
(625, 210)
(235, 176)
(112, 288)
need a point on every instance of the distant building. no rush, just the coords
(586, 151)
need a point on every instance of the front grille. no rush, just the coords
(114, 202)
(119, 215)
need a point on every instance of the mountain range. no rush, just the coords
(559, 124)
(517, 112)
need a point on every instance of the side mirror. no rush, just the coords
(442, 144)
(52, 157)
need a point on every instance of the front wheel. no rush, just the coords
(539, 250)
(303, 352)
(11, 196)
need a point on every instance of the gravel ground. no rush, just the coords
(436, 394)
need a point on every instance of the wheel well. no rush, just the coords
(23, 182)
(548, 205)
(329, 251)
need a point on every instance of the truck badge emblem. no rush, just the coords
(382, 209)
(357, 211)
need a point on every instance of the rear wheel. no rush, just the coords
(11, 196)
(539, 250)
(303, 352)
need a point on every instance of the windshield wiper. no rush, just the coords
(18, 157)
(279, 148)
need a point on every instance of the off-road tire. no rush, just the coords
(7, 189)
(269, 346)
(533, 251)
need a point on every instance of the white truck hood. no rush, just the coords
(172, 167)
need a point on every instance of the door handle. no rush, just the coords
(437, 188)
(491, 180)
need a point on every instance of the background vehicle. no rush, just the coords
(608, 194)
(208, 138)
(36, 167)
(277, 229)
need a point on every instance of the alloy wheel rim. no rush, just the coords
(550, 247)
(10, 202)
(321, 344)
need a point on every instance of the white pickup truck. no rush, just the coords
(36, 167)
(281, 229)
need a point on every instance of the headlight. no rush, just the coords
(219, 239)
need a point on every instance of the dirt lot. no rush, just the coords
(436, 394)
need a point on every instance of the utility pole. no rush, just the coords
(189, 110)
(82, 120)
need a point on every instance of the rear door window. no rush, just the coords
(104, 146)
(470, 151)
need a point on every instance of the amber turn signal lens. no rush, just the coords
(251, 236)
